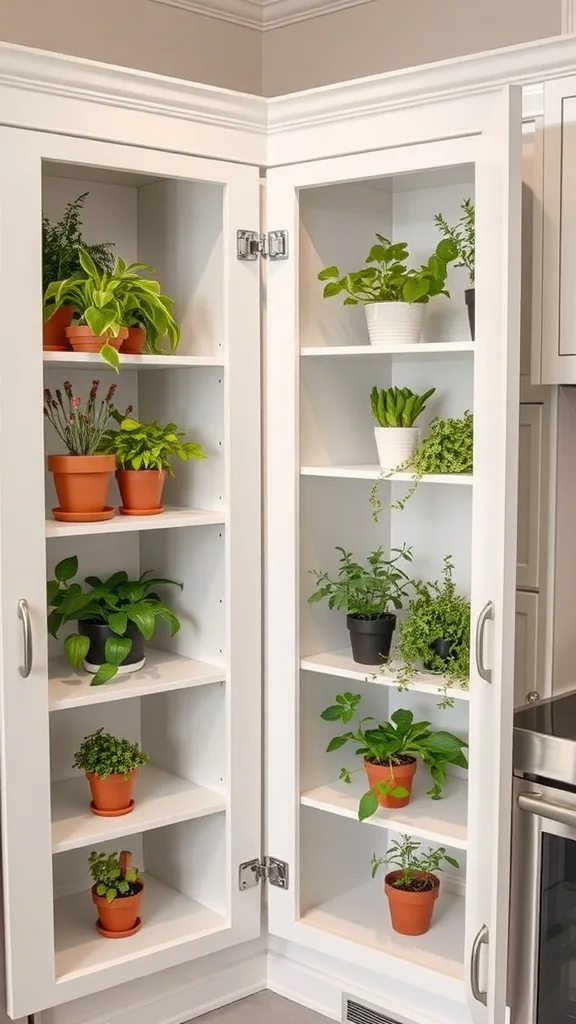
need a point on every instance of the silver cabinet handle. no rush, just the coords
(487, 614)
(480, 940)
(545, 809)
(24, 615)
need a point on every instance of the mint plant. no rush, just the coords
(397, 407)
(102, 754)
(417, 871)
(365, 592)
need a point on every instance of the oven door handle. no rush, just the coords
(534, 804)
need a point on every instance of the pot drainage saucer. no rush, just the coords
(112, 814)
(83, 517)
(118, 935)
(140, 511)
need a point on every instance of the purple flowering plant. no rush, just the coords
(81, 428)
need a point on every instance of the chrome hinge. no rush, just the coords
(273, 245)
(252, 872)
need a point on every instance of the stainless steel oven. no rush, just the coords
(542, 949)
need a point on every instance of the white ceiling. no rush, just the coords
(263, 14)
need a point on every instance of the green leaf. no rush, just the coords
(52, 590)
(452, 861)
(76, 648)
(118, 622)
(109, 354)
(117, 649)
(143, 618)
(328, 273)
(331, 289)
(66, 569)
(54, 621)
(333, 713)
(104, 674)
(336, 743)
(368, 806)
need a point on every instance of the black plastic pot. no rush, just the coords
(371, 638)
(98, 634)
(470, 299)
(443, 649)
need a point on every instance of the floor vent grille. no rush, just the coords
(357, 1013)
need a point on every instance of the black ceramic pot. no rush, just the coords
(469, 297)
(98, 634)
(371, 638)
(443, 649)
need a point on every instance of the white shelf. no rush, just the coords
(163, 671)
(92, 360)
(438, 821)
(375, 473)
(170, 519)
(341, 663)
(423, 350)
(168, 919)
(161, 799)
(361, 916)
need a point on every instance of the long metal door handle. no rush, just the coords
(24, 615)
(535, 804)
(487, 614)
(480, 940)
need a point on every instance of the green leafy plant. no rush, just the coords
(116, 602)
(397, 407)
(437, 612)
(81, 430)
(417, 870)
(148, 445)
(390, 744)
(112, 878)
(143, 305)
(103, 754)
(462, 236)
(365, 592)
(61, 244)
(447, 448)
(386, 277)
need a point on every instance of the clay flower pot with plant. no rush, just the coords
(412, 889)
(111, 766)
(436, 633)
(115, 617)
(390, 752)
(463, 238)
(81, 477)
(61, 243)
(143, 453)
(366, 593)
(116, 893)
(394, 297)
(396, 411)
(147, 313)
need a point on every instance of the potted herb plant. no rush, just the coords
(390, 752)
(81, 477)
(396, 411)
(147, 313)
(412, 889)
(394, 296)
(366, 593)
(436, 632)
(116, 893)
(463, 238)
(143, 453)
(111, 766)
(61, 243)
(115, 617)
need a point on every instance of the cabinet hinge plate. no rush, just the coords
(273, 245)
(269, 869)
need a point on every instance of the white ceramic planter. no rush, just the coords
(395, 445)
(395, 323)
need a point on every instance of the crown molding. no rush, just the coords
(263, 15)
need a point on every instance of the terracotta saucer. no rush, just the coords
(84, 517)
(119, 935)
(140, 511)
(112, 814)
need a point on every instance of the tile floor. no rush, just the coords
(262, 1008)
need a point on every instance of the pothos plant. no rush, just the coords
(148, 445)
(447, 448)
(392, 743)
(462, 236)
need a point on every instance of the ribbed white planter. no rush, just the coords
(395, 445)
(395, 323)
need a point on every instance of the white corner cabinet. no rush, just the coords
(173, 174)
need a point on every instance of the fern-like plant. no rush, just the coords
(462, 236)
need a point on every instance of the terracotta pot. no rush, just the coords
(120, 917)
(112, 795)
(393, 775)
(81, 482)
(410, 912)
(54, 330)
(134, 343)
(141, 490)
(82, 339)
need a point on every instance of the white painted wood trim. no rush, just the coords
(568, 17)
(263, 14)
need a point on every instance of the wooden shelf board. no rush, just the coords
(438, 821)
(341, 663)
(170, 519)
(161, 799)
(374, 473)
(423, 350)
(361, 916)
(163, 671)
(168, 918)
(89, 360)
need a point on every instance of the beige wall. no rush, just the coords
(384, 35)
(139, 34)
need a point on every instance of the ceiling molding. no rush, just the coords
(263, 15)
